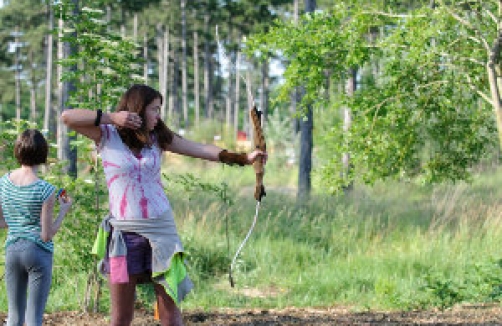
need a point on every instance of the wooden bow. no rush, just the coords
(259, 169)
(259, 142)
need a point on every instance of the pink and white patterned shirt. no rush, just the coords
(134, 185)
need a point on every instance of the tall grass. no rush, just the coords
(392, 246)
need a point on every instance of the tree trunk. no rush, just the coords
(228, 105)
(208, 94)
(306, 145)
(492, 67)
(350, 88)
(265, 80)
(174, 100)
(295, 96)
(310, 6)
(135, 27)
(165, 71)
(219, 85)
(160, 64)
(61, 128)
(228, 99)
(145, 57)
(122, 22)
(33, 89)
(109, 18)
(48, 78)
(68, 153)
(495, 94)
(184, 78)
(196, 73)
(246, 126)
(237, 93)
(306, 140)
(211, 88)
(296, 8)
(17, 74)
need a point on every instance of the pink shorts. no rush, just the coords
(139, 254)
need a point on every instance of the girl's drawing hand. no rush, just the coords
(126, 119)
(258, 155)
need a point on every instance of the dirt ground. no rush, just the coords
(464, 315)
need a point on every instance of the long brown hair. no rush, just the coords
(136, 99)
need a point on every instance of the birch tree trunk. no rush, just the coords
(350, 88)
(493, 68)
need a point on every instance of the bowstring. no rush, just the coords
(251, 103)
(232, 283)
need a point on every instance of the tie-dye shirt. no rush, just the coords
(134, 185)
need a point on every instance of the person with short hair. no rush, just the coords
(138, 241)
(27, 210)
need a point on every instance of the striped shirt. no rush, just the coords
(22, 206)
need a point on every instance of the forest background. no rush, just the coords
(391, 201)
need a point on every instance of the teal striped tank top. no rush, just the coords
(22, 206)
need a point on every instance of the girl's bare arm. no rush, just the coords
(208, 152)
(3, 224)
(82, 121)
(50, 226)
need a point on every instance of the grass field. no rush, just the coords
(392, 246)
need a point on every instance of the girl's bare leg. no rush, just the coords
(122, 302)
(169, 313)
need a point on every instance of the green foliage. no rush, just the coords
(9, 132)
(89, 208)
(422, 115)
(319, 42)
(103, 63)
(191, 185)
(479, 282)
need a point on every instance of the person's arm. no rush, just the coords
(50, 226)
(3, 224)
(84, 121)
(214, 153)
